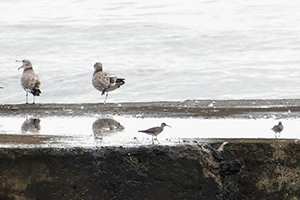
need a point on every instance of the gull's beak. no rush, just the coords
(169, 126)
(19, 61)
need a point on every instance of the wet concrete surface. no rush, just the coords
(23, 139)
(94, 131)
(189, 108)
(92, 151)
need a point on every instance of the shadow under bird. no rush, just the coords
(278, 128)
(104, 81)
(29, 80)
(155, 130)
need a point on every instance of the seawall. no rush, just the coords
(201, 169)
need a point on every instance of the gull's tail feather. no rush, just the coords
(36, 92)
(120, 81)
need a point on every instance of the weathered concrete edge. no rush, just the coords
(203, 171)
(281, 108)
(33, 140)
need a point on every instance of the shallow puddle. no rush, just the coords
(123, 131)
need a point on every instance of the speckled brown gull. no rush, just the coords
(277, 129)
(105, 82)
(29, 80)
(155, 130)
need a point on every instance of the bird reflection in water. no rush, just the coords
(31, 125)
(104, 127)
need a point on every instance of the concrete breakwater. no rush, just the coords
(218, 170)
(191, 169)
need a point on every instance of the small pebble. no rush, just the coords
(14, 108)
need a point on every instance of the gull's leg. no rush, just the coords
(105, 97)
(33, 100)
(26, 97)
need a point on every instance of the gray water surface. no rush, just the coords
(166, 50)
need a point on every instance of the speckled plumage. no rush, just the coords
(105, 82)
(31, 125)
(29, 80)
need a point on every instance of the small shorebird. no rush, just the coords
(277, 129)
(155, 130)
(105, 82)
(29, 80)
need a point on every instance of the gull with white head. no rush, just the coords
(29, 80)
(105, 82)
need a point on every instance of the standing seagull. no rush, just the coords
(155, 130)
(277, 129)
(105, 82)
(29, 80)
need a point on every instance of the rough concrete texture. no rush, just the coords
(190, 108)
(234, 170)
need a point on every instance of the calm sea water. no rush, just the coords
(166, 50)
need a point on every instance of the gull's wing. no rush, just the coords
(30, 81)
(101, 81)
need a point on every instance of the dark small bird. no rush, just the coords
(277, 129)
(155, 130)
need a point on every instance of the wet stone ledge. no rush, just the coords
(228, 169)
(189, 108)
